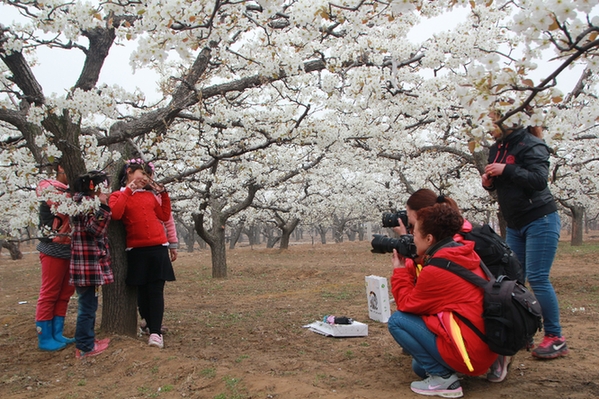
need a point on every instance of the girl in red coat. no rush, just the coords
(149, 265)
(441, 346)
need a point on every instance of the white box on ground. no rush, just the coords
(377, 295)
(355, 329)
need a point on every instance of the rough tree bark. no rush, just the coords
(119, 301)
(322, 231)
(235, 234)
(287, 227)
(13, 248)
(577, 225)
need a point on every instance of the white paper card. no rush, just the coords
(377, 294)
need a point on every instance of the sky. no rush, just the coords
(70, 66)
(70, 62)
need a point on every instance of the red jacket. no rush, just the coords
(436, 291)
(142, 216)
(466, 228)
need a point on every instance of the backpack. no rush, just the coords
(494, 252)
(511, 313)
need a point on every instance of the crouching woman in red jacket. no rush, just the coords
(424, 325)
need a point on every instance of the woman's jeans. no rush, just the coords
(535, 245)
(414, 337)
(85, 336)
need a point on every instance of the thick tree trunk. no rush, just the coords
(253, 233)
(13, 248)
(361, 231)
(272, 236)
(272, 240)
(338, 233)
(285, 238)
(235, 234)
(190, 237)
(351, 235)
(119, 301)
(323, 234)
(219, 255)
(287, 230)
(577, 225)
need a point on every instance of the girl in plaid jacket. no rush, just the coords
(90, 259)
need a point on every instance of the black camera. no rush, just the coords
(404, 245)
(87, 182)
(390, 219)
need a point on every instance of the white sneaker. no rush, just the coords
(499, 369)
(436, 385)
(156, 341)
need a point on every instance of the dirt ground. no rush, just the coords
(243, 337)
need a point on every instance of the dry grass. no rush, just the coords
(243, 337)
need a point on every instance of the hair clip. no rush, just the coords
(139, 161)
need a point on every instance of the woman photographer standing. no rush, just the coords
(518, 170)
(426, 305)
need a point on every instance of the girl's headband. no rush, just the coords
(141, 162)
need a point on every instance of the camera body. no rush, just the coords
(390, 219)
(404, 245)
(87, 182)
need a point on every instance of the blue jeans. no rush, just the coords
(535, 245)
(410, 332)
(86, 318)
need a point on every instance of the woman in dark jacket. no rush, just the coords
(518, 170)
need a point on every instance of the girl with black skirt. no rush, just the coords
(149, 264)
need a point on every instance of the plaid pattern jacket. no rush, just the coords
(90, 253)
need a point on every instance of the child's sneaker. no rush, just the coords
(156, 341)
(499, 369)
(436, 385)
(551, 347)
(99, 347)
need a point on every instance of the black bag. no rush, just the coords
(53, 227)
(495, 253)
(511, 312)
(46, 222)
